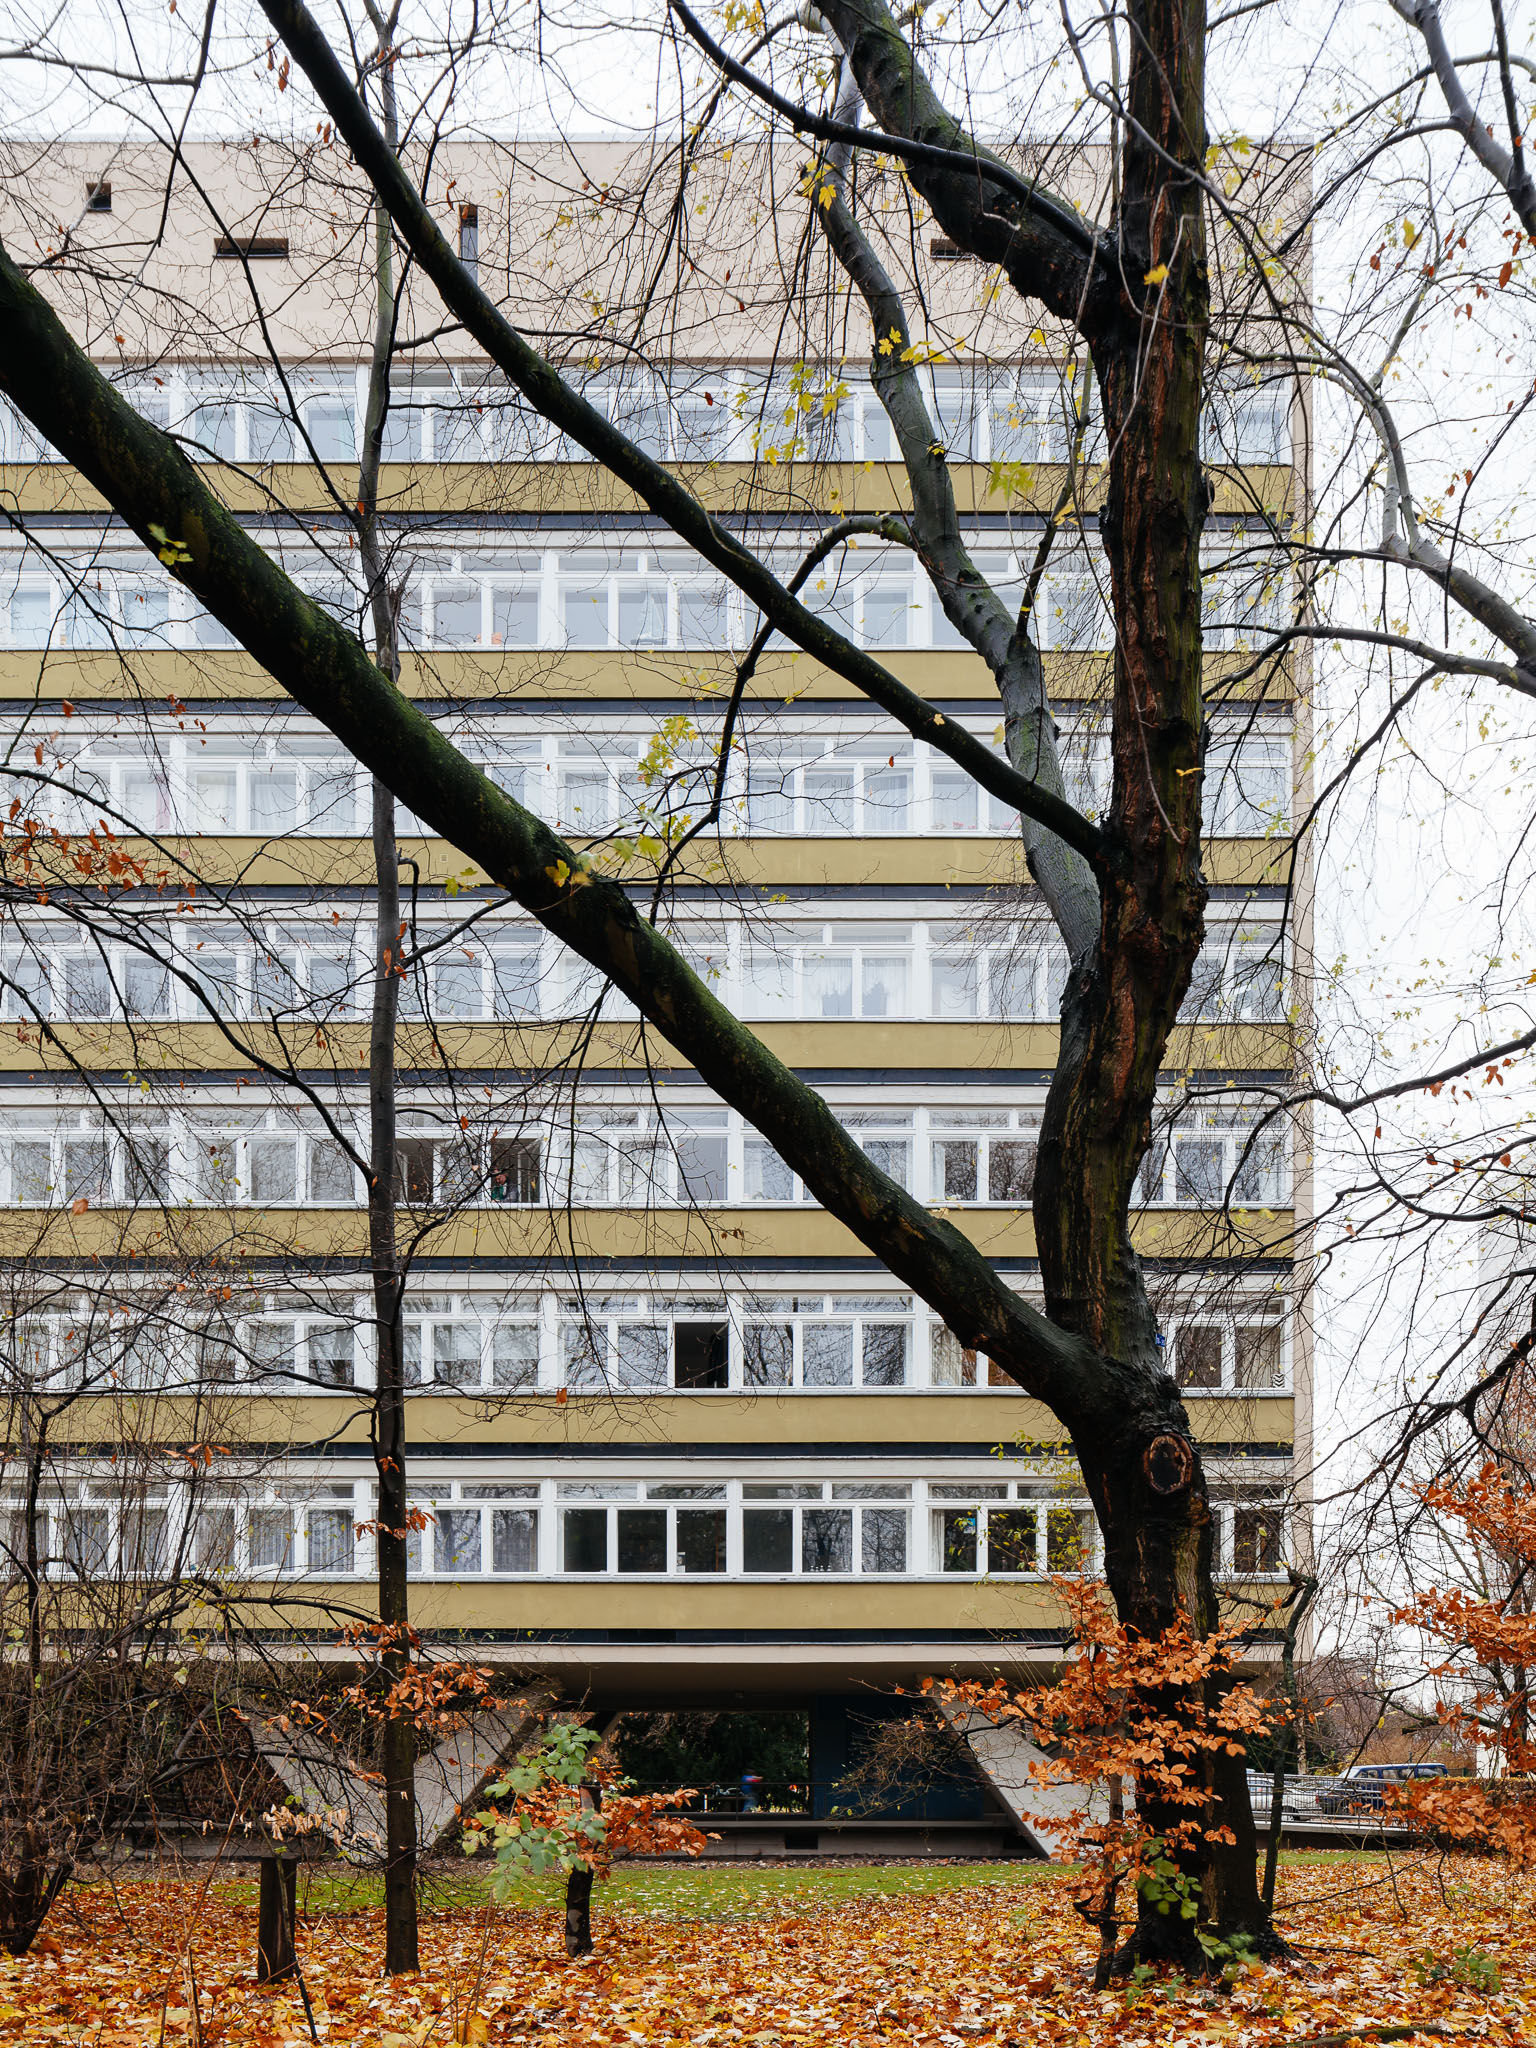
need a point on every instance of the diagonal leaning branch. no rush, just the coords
(146, 478)
(537, 378)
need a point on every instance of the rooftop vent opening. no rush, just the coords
(255, 248)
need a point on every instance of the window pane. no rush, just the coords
(954, 802)
(515, 1356)
(456, 1543)
(701, 615)
(827, 1354)
(585, 1532)
(884, 985)
(145, 1536)
(515, 618)
(330, 1355)
(885, 1355)
(213, 1540)
(953, 1365)
(330, 1172)
(957, 1539)
(85, 1539)
(701, 1355)
(584, 799)
(642, 1359)
(415, 1170)
(514, 1174)
(1260, 1355)
(701, 1539)
(1198, 1355)
(1256, 1540)
(642, 1539)
(767, 1539)
(955, 985)
(330, 1540)
(456, 615)
(515, 977)
(584, 613)
(954, 1169)
(642, 614)
(146, 989)
(1010, 1171)
(888, 800)
(459, 988)
(1068, 1539)
(87, 1170)
(701, 1160)
(87, 985)
(274, 800)
(768, 1179)
(330, 429)
(887, 615)
(768, 1355)
(31, 1170)
(272, 1170)
(829, 985)
(1200, 1173)
(584, 1355)
(147, 1169)
(514, 1540)
(883, 1539)
(826, 1540)
(271, 1539)
(456, 1354)
(1010, 1540)
(829, 799)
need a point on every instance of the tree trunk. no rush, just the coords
(578, 1911)
(1138, 1457)
(277, 1907)
(398, 1735)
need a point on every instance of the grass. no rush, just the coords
(700, 1892)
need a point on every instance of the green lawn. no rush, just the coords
(703, 1892)
(666, 1891)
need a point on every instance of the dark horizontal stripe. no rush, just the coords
(319, 1267)
(758, 894)
(892, 1455)
(572, 519)
(677, 1077)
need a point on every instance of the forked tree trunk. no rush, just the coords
(1137, 1453)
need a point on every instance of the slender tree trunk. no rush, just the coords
(398, 1735)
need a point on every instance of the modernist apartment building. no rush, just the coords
(680, 1438)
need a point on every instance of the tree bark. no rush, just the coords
(277, 1905)
(578, 1911)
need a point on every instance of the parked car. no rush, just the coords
(1360, 1789)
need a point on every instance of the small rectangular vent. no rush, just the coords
(255, 248)
(802, 1839)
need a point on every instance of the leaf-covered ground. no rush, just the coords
(959, 1956)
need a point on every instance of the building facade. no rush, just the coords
(677, 1438)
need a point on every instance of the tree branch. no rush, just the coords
(656, 486)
